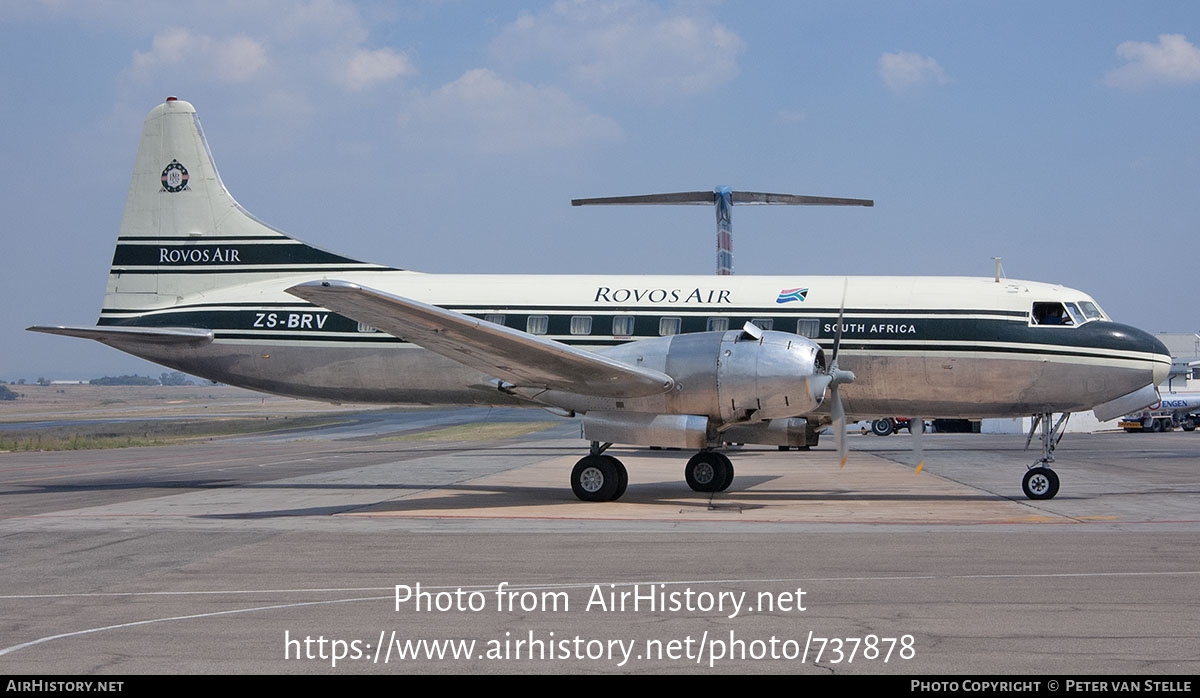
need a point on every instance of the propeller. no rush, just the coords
(836, 378)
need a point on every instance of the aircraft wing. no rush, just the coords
(516, 357)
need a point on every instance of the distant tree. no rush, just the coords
(124, 380)
(175, 378)
(43, 381)
(20, 381)
(6, 394)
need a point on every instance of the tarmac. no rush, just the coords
(301, 553)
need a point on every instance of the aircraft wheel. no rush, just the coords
(707, 471)
(622, 478)
(1040, 483)
(596, 478)
(882, 427)
(1189, 424)
(728, 471)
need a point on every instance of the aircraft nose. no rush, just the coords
(1141, 341)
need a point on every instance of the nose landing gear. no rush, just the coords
(1040, 482)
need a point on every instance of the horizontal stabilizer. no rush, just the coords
(710, 197)
(758, 197)
(519, 358)
(131, 335)
(685, 197)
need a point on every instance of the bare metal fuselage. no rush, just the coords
(965, 348)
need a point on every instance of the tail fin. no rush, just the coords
(183, 233)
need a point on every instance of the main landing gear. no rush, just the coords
(600, 478)
(709, 471)
(1040, 482)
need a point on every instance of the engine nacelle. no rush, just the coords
(729, 376)
(769, 377)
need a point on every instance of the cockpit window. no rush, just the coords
(1090, 311)
(1047, 313)
(1076, 316)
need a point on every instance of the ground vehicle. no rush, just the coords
(1174, 410)
(888, 425)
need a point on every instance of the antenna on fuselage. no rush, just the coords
(724, 199)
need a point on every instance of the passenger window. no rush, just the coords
(718, 324)
(669, 326)
(808, 328)
(623, 326)
(364, 327)
(1051, 314)
(494, 318)
(537, 324)
(764, 323)
(581, 324)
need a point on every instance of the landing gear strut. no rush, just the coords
(1040, 482)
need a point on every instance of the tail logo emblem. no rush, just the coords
(789, 295)
(175, 177)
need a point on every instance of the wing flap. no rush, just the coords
(519, 358)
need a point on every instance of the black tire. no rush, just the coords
(1155, 426)
(728, 471)
(882, 427)
(1040, 483)
(622, 478)
(595, 478)
(706, 471)
(1188, 424)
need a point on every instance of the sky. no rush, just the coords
(446, 136)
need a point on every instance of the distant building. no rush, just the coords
(1185, 360)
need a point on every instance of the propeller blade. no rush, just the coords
(918, 434)
(837, 337)
(839, 425)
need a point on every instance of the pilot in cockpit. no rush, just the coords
(1050, 314)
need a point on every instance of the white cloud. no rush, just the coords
(903, 71)
(278, 42)
(625, 45)
(1172, 61)
(235, 59)
(482, 112)
(367, 68)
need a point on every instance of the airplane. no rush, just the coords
(200, 285)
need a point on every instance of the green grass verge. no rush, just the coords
(478, 431)
(150, 433)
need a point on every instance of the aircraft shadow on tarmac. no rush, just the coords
(670, 497)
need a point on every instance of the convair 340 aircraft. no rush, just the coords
(200, 285)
